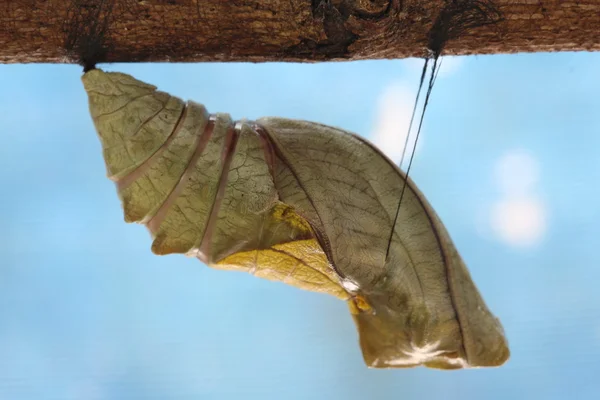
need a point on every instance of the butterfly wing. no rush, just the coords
(297, 202)
(425, 308)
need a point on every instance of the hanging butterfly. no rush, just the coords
(299, 202)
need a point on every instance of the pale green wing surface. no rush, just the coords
(301, 203)
(132, 119)
(425, 307)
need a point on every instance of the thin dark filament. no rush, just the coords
(438, 70)
(414, 111)
(434, 72)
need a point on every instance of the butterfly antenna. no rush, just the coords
(433, 76)
(412, 117)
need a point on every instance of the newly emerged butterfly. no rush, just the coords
(302, 203)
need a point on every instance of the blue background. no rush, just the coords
(88, 312)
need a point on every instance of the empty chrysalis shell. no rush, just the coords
(298, 202)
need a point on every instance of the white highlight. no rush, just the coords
(423, 354)
(349, 285)
(518, 218)
(517, 172)
(395, 106)
(519, 221)
(394, 109)
(419, 355)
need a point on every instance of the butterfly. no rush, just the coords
(299, 202)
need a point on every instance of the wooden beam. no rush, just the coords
(283, 30)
